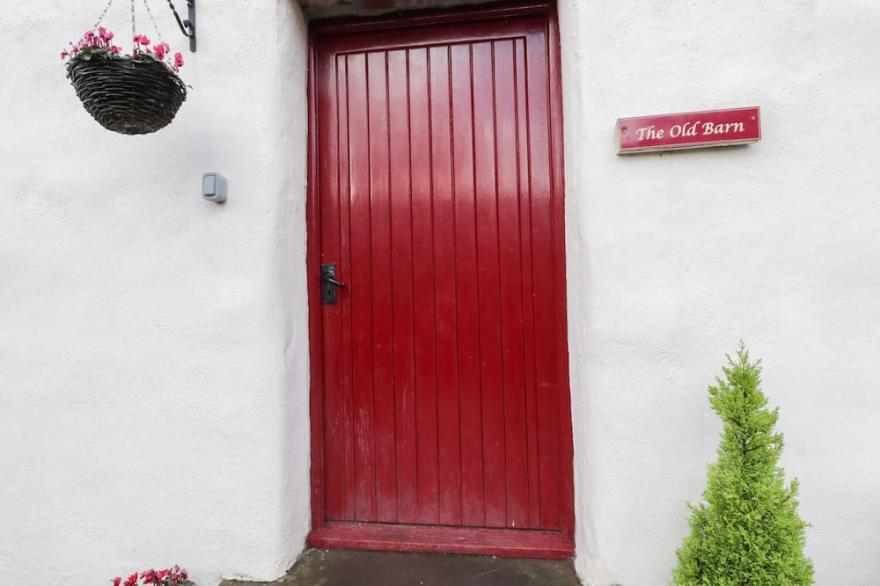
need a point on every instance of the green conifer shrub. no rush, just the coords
(748, 531)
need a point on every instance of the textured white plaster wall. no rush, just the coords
(153, 346)
(672, 259)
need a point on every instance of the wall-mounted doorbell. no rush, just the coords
(214, 187)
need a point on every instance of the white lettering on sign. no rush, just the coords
(650, 132)
(686, 129)
(690, 129)
(723, 128)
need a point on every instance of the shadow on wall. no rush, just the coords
(329, 8)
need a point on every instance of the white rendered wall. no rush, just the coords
(672, 259)
(153, 346)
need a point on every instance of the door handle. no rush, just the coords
(329, 284)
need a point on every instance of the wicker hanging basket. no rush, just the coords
(126, 95)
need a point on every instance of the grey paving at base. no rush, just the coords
(319, 567)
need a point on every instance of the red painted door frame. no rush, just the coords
(378, 536)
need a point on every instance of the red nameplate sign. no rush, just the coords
(688, 130)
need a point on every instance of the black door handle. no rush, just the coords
(329, 284)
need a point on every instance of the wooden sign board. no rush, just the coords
(688, 130)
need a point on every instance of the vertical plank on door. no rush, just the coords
(423, 288)
(544, 274)
(402, 289)
(334, 412)
(490, 285)
(510, 271)
(361, 290)
(466, 281)
(382, 298)
(346, 371)
(448, 438)
(528, 308)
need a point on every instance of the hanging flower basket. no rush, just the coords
(138, 93)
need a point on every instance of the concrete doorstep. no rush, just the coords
(338, 567)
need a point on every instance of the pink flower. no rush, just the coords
(117, 581)
(104, 34)
(131, 580)
(145, 40)
(89, 36)
(115, 49)
(178, 60)
(160, 52)
(64, 54)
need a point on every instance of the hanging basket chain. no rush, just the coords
(101, 17)
(186, 27)
(153, 19)
(133, 23)
(133, 30)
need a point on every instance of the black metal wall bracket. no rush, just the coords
(188, 26)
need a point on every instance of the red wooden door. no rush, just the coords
(441, 404)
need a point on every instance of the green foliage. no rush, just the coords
(748, 531)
